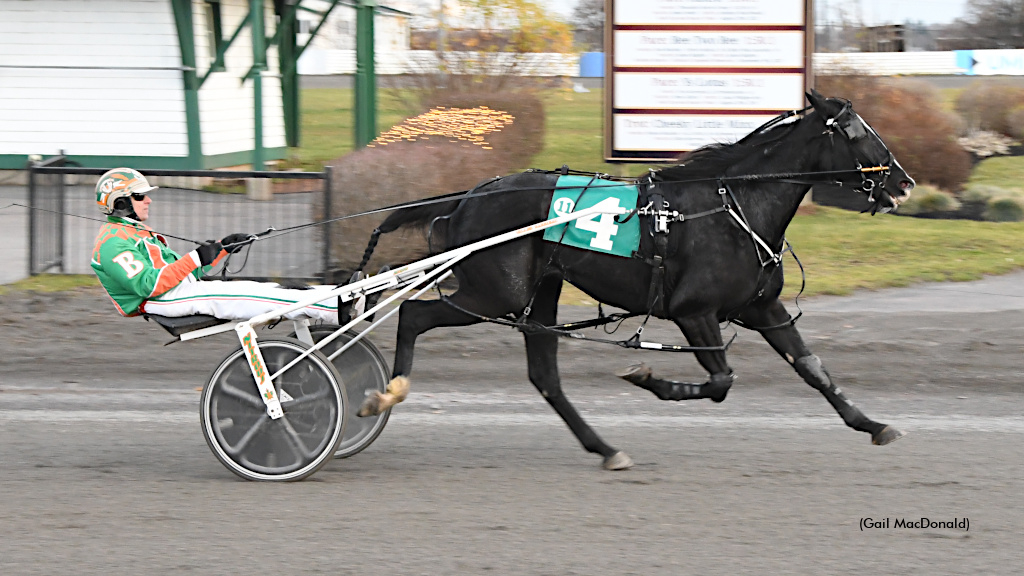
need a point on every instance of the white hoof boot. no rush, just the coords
(618, 461)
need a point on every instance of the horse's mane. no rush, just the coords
(714, 159)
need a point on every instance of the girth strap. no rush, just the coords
(657, 281)
(658, 230)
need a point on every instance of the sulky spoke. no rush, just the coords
(244, 396)
(248, 436)
(296, 441)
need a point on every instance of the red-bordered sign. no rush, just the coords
(680, 74)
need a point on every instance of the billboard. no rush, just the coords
(680, 74)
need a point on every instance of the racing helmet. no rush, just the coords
(120, 183)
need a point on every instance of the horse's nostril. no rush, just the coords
(906, 185)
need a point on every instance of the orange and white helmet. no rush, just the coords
(119, 183)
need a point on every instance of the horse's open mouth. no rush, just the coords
(878, 205)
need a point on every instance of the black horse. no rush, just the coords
(716, 258)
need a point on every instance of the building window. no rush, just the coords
(215, 34)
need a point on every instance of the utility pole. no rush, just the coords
(366, 77)
(258, 188)
(259, 64)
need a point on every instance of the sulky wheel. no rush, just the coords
(254, 446)
(363, 370)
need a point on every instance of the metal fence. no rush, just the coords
(64, 220)
(46, 196)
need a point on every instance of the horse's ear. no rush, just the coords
(817, 100)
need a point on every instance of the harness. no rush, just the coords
(660, 214)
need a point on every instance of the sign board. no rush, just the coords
(991, 62)
(680, 74)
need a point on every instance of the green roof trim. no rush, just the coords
(186, 41)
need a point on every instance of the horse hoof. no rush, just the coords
(371, 406)
(716, 396)
(886, 435)
(618, 461)
(635, 374)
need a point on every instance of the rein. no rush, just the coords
(271, 232)
(527, 326)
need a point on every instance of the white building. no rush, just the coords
(139, 82)
(333, 50)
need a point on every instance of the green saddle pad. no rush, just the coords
(600, 233)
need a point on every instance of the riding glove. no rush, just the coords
(234, 242)
(208, 252)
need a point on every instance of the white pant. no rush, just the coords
(240, 300)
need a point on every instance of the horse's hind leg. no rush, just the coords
(414, 318)
(787, 342)
(702, 331)
(542, 358)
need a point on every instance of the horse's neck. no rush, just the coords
(777, 202)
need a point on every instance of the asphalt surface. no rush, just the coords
(105, 469)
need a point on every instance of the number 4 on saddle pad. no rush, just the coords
(600, 233)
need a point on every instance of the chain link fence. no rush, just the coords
(64, 221)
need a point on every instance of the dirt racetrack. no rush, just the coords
(105, 470)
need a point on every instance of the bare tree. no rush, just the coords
(588, 24)
(987, 24)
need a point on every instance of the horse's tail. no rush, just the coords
(417, 215)
(374, 237)
(411, 216)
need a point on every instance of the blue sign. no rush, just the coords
(991, 62)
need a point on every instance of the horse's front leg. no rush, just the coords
(702, 331)
(414, 318)
(787, 342)
(542, 361)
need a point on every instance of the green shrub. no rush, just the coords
(982, 193)
(1006, 209)
(929, 199)
(909, 117)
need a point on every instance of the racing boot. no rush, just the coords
(371, 299)
(345, 309)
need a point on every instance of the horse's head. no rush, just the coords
(856, 144)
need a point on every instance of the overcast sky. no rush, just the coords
(873, 12)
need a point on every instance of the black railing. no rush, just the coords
(64, 220)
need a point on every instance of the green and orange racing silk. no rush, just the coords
(134, 264)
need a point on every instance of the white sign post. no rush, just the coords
(680, 74)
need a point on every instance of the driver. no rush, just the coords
(141, 274)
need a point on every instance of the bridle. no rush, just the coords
(851, 126)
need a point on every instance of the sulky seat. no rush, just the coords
(179, 325)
